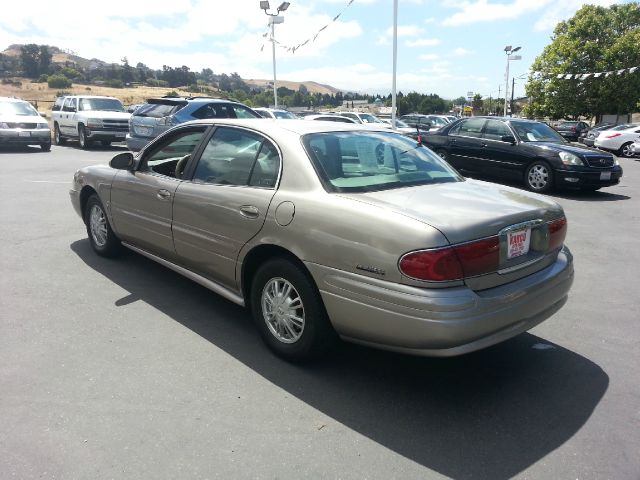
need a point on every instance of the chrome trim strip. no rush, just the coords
(205, 282)
(521, 226)
(515, 268)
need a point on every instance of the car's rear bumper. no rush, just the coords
(440, 322)
(105, 135)
(137, 143)
(588, 177)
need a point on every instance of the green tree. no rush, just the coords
(595, 39)
(30, 59)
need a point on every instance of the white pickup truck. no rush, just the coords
(89, 119)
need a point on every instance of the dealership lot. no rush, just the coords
(123, 369)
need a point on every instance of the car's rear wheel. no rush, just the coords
(539, 177)
(103, 241)
(57, 136)
(289, 312)
(82, 137)
(625, 150)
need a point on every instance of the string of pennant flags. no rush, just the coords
(311, 39)
(584, 76)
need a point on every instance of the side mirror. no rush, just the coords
(508, 139)
(122, 161)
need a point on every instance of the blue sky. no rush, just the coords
(447, 47)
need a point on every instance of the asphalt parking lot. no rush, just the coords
(124, 369)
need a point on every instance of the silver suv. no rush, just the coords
(160, 114)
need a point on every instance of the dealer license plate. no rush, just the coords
(605, 175)
(24, 134)
(518, 243)
(120, 135)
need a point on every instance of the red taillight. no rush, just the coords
(436, 265)
(573, 129)
(453, 263)
(557, 233)
(614, 135)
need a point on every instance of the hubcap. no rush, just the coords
(83, 140)
(442, 155)
(626, 151)
(98, 226)
(538, 177)
(283, 310)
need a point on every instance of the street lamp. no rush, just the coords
(273, 19)
(510, 56)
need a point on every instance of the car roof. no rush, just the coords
(169, 100)
(89, 96)
(300, 127)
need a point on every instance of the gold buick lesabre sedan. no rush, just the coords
(328, 231)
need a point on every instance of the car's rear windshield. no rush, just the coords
(22, 109)
(371, 161)
(568, 124)
(536, 132)
(101, 104)
(158, 110)
(284, 114)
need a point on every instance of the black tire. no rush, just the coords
(103, 241)
(625, 150)
(293, 340)
(85, 143)
(45, 147)
(539, 177)
(57, 136)
(105, 143)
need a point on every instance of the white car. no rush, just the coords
(21, 124)
(365, 118)
(275, 113)
(323, 117)
(619, 139)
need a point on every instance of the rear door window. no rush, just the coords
(471, 127)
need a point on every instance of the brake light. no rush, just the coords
(557, 233)
(614, 135)
(453, 263)
(573, 129)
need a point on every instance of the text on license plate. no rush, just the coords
(605, 175)
(24, 134)
(518, 243)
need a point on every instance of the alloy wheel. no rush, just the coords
(98, 226)
(538, 177)
(283, 310)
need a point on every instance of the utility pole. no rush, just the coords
(513, 85)
(499, 90)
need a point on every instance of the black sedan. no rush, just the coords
(523, 150)
(572, 130)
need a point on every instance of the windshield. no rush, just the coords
(101, 104)
(438, 121)
(283, 114)
(371, 161)
(536, 132)
(22, 109)
(624, 126)
(366, 118)
(401, 124)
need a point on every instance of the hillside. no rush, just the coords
(312, 87)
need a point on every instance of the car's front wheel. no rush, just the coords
(539, 177)
(443, 154)
(82, 137)
(289, 312)
(103, 241)
(625, 150)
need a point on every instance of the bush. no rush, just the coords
(43, 78)
(58, 81)
(172, 93)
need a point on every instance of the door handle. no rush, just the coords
(163, 194)
(484, 144)
(453, 140)
(249, 211)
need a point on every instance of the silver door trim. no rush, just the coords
(199, 279)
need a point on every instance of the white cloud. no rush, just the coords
(461, 52)
(429, 20)
(563, 10)
(423, 42)
(429, 56)
(484, 11)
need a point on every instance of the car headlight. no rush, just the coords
(615, 161)
(43, 125)
(94, 123)
(570, 159)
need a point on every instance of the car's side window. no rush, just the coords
(58, 105)
(242, 112)
(495, 130)
(229, 157)
(165, 157)
(68, 105)
(471, 127)
(265, 171)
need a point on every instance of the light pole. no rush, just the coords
(509, 51)
(273, 19)
(395, 63)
